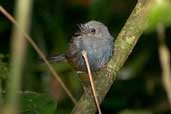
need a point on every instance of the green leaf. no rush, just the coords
(129, 111)
(4, 67)
(35, 103)
(160, 13)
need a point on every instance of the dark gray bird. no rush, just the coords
(96, 40)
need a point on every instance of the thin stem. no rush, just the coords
(1, 97)
(29, 39)
(84, 54)
(164, 60)
(18, 49)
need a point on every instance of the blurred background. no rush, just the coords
(138, 88)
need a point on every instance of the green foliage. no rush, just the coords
(160, 13)
(4, 69)
(53, 23)
(35, 103)
(135, 112)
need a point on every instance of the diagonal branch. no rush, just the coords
(123, 46)
(40, 53)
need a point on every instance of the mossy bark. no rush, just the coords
(123, 46)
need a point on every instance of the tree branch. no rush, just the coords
(123, 46)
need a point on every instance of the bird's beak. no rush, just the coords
(83, 30)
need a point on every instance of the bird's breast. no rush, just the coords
(98, 51)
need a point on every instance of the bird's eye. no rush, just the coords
(92, 30)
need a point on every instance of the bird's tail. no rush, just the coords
(57, 58)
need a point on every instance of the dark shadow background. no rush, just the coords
(138, 88)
